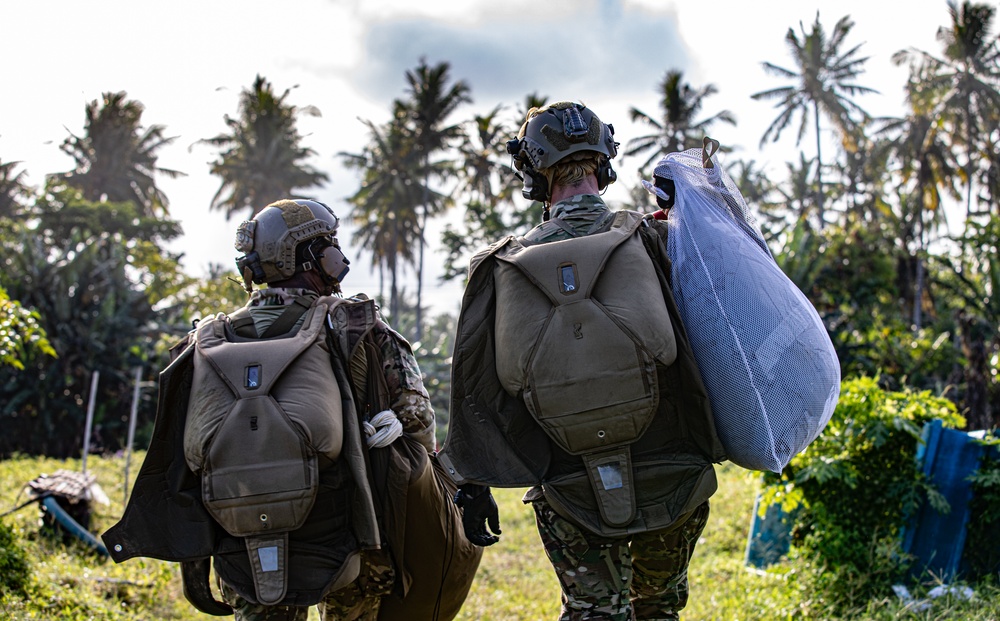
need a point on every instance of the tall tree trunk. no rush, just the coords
(968, 164)
(393, 293)
(977, 414)
(381, 282)
(819, 171)
(418, 329)
(918, 288)
(393, 273)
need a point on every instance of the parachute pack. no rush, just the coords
(579, 334)
(771, 371)
(256, 432)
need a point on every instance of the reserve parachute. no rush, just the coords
(579, 335)
(261, 414)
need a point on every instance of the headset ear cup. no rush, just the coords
(536, 186)
(606, 175)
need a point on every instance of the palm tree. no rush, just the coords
(262, 159)
(679, 128)
(794, 193)
(488, 189)
(432, 100)
(531, 100)
(115, 157)
(966, 80)
(385, 207)
(918, 143)
(760, 191)
(12, 188)
(825, 84)
(973, 278)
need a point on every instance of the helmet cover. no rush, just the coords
(269, 240)
(558, 130)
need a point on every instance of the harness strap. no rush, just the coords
(244, 326)
(195, 576)
(288, 318)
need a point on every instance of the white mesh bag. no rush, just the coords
(765, 357)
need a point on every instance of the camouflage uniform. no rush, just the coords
(641, 577)
(358, 601)
(618, 579)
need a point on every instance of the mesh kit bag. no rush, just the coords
(765, 356)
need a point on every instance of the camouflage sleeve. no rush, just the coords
(409, 398)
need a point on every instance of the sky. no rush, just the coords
(187, 61)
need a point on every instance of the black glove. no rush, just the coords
(478, 510)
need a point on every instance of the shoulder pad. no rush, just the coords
(485, 253)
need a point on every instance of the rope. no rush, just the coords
(383, 429)
(26, 503)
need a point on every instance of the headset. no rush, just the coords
(324, 254)
(563, 126)
(321, 253)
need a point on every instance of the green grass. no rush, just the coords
(514, 583)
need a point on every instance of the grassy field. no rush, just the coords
(514, 582)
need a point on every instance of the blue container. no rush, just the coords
(948, 458)
(770, 536)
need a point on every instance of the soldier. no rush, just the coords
(288, 435)
(573, 375)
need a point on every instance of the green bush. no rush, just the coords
(982, 547)
(852, 489)
(14, 568)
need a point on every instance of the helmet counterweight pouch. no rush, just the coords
(581, 325)
(254, 431)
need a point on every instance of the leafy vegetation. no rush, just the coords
(20, 334)
(14, 570)
(514, 583)
(982, 551)
(851, 491)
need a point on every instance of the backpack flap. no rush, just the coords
(610, 475)
(269, 561)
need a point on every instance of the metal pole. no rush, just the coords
(131, 427)
(90, 417)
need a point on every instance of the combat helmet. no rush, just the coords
(270, 243)
(552, 133)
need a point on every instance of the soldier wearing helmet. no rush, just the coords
(311, 355)
(292, 246)
(539, 400)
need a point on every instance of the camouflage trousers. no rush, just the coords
(358, 601)
(643, 577)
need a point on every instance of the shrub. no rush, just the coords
(982, 548)
(14, 568)
(851, 490)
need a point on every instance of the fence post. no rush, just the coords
(90, 417)
(131, 426)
